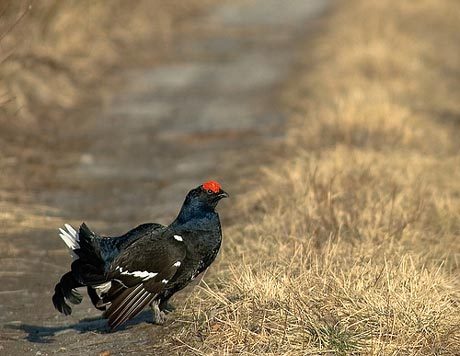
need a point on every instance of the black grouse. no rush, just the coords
(145, 266)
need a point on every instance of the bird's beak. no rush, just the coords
(222, 194)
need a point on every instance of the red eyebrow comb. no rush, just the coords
(212, 185)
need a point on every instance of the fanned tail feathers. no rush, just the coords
(87, 270)
(71, 239)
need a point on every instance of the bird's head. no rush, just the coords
(208, 194)
(200, 201)
(205, 196)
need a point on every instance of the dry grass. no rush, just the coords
(50, 49)
(351, 245)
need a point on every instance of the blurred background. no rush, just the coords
(334, 126)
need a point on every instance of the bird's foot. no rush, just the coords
(159, 317)
(167, 307)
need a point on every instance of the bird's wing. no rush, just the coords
(135, 234)
(142, 271)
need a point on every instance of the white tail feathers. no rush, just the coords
(71, 239)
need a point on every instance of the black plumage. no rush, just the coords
(147, 265)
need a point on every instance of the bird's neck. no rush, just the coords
(196, 215)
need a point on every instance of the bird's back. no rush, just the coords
(111, 247)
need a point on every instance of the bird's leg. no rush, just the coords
(159, 316)
(166, 307)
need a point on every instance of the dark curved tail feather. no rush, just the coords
(65, 290)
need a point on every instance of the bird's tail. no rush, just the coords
(87, 269)
(66, 290)
(71, 239)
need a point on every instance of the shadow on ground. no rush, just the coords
(46, 334)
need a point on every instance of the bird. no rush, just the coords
(145, 266)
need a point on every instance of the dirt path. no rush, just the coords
(165, 130)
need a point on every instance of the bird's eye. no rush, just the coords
(210, 191)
